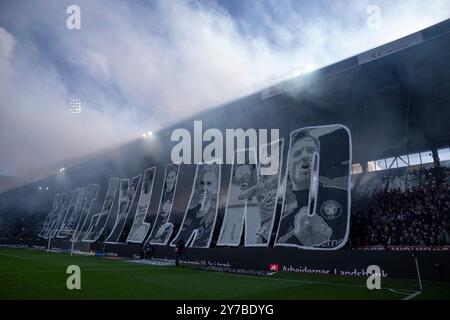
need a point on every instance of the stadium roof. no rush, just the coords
(395, 98)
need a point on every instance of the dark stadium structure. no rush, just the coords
(7, 183)
(395, 100)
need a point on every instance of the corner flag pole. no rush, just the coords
(73, 242)
(418, 271)
(49, 237)
(104, 240)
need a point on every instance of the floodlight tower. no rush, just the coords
(75, 106)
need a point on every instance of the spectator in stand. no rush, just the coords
(418, 216)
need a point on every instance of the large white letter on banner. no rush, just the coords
(140, 227)
(162, 228)
(98, 221)
(316, 204)
(200, 217)
(252, 200)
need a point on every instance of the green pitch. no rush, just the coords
(31, 274)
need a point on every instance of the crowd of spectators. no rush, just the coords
(14, 226)
(383, 214)
(418, 214)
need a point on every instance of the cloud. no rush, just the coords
(7, 44)
(97, 64)
(139, 66)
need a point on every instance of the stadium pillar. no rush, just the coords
(365, 166)
(436, 160)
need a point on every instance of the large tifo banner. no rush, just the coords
(201, 214)
(162, 228)
(82, 224)
(316, 203)
(49, 218)
(70, 220)
(305, 205)
(55, 218)
(252, 200)
(99, 220)
(127, 193)
(140, 228)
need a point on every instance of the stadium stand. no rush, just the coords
(394, 105)
(416, 215)
(381, 215)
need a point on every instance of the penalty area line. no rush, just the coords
(14, 256)
(311, 282)
(412, 296)
(399, 292)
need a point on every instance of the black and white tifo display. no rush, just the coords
(127, 193)
(252, 201)
(307, 207)
(201, 214)
(316, 200)
(140, 228)
(162, 228)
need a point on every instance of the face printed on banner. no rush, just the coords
(123, 207)
(157, 236)
(148, 177)
(268, 194)
(132, 190)
(243, 176)
(207, 188)
(164, 231)
(131, 194)
(301, 159)
(170, 181)
(165, 208)
(108, 202)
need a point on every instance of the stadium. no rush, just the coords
(378, 126)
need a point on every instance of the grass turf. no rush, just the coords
(32, 274)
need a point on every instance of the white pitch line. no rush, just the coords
(400, 292)
(415, 294)
(13, 256)
(407, 292)
(319, 282)
(82, 270)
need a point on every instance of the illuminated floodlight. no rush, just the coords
(62, 169)
(40, 188)
(147, 134)
(46, 188)
(307, 68)
(75, 106)
(296, 72)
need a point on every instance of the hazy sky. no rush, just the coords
(143, 65)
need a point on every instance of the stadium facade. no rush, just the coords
(393, 100)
